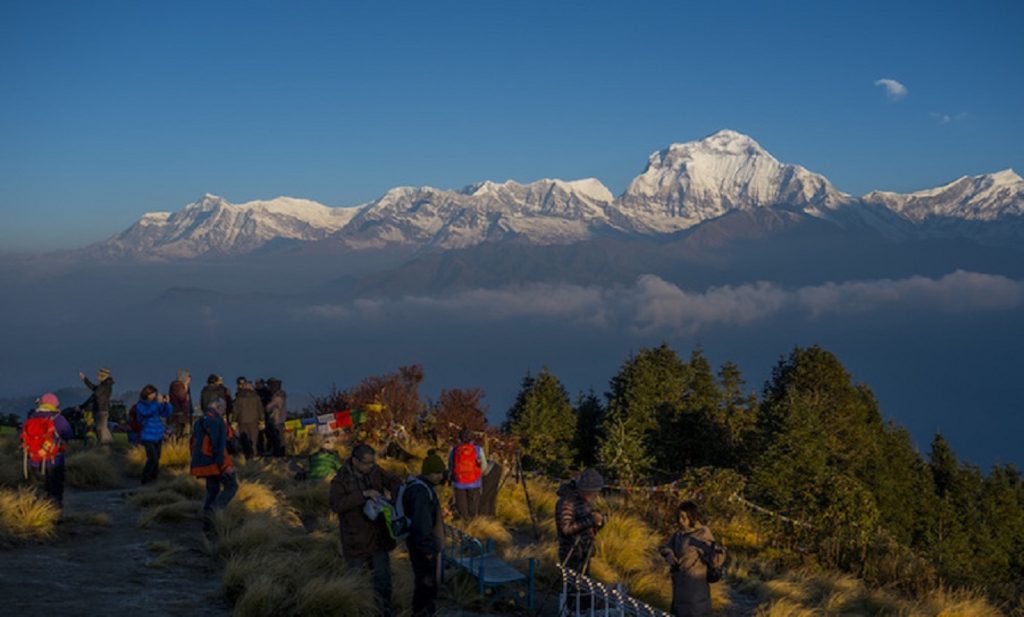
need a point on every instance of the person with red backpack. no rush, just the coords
(43, 436)
(467, 462)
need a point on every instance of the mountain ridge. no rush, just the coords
(683, 185)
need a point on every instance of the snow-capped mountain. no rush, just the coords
(682, 186)
(542, 212)
(686, 184)
(973, 198)
(213, 226)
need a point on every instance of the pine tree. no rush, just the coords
(589, 419)
(544, 423)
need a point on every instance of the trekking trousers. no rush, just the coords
(379, 564)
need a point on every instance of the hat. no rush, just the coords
(589, 481)
(432, 464)
(49, 399)
(103, 374)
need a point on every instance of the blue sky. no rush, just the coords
(110, 109)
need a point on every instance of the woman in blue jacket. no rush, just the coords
(150, 412)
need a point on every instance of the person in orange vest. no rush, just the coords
(467, 462)
(211, 459)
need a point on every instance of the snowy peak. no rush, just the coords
(214, 226)
(686, 184)
(543, 212)
(974, 198)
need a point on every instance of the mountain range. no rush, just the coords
(683, 187)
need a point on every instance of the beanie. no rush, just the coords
(50, 400)
(589, 480)
(432, 464)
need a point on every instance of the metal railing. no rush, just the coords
(583, 596)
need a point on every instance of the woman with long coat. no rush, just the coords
(689, 553)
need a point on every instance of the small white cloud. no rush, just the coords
(893, 89)
(947, 118)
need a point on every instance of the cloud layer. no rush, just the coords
(893, 89)
(653, 305)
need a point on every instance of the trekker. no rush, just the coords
(689, 552)
(325, 462)
(426, 534)
(467, 462)
(150, 411)
(211, 459)
(576, 521)
(99, 402)
(365, 543)
(180, 394)
(43, 436)
(489, 490)
(213, 390)
(248, 413)
(277, 413)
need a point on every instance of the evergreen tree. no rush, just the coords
(544, 423)
(646, 396)
(589, 419)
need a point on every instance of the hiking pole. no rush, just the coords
(529, 504)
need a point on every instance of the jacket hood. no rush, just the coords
(567, 489)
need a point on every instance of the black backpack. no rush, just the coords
(715, 573)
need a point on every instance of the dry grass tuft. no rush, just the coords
(26, 515)
(175, 453)
(785, 608)
(944, 602)
(96, 519)
(171, 513)
(310, 498)
(264, 596)
(165, 553)
(92, 469)
(253, 497)
(349, 595)
(486, 528)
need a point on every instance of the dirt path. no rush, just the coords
(114, 570)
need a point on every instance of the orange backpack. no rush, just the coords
(466, 467)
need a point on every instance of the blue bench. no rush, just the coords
(479, 560)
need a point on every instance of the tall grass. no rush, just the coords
(25, 515)
(175, 453)
(92, 469)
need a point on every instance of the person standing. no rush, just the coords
(365, 543)
(213, 390)
(150, 411)
(277, 414)
(426, 534)
(489, 490)
(99, 402)
(43, 436)
(248, 413)
(211, 459)
(180, 394)
(467, 462)
(576, 521)
(689, 553)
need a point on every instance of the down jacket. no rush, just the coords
(151, 414)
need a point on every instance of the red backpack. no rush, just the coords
(466, 467)
(40, 441)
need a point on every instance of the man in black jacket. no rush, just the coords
(426, 534)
